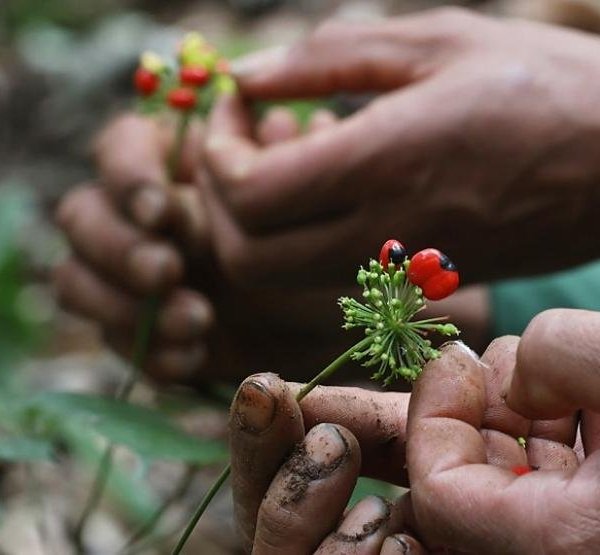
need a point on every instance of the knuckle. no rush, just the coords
(452, 16)
(277, 524)
(74, 203)
(453, 25)
(329, 30)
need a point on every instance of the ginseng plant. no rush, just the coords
(395, 345)
(187, 89)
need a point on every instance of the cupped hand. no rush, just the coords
(462, 442)
(136, 234)
(484, 142)
(131, 234)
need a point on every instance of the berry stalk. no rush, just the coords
(327, 372)
(394, 343)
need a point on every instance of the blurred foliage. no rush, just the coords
(24, 449)
(18, 14)
(20, 332)
(147, 432)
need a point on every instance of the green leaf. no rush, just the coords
(147, 432)
(368, 486)
(24, 449)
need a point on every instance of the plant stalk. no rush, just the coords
(327, 372)
(140, 350)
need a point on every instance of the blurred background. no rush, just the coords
(65, 68)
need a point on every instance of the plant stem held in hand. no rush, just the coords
(394, 343)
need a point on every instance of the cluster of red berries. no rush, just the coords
(428, 269)
(199, 65)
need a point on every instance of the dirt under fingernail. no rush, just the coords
(365, 518)
(254, 407)
(322, 453)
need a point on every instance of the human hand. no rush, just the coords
(298, 506)
(135, 234)
(461, 442)
(130, 234)
(484, 141)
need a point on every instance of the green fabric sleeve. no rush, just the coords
(515, 302)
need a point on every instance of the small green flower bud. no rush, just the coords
(361, 277)
(448, 329)
(398, 278)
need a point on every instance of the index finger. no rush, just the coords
(132, 153)
(319, 175)
(558, 365)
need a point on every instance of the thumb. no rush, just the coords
(377, 420)
(352, 57)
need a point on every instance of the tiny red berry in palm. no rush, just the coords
(194, 75)
(146, 82)
(182, 98)
(521, 469)
(434, 273)
(392, 251)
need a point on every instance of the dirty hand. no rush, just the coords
(485, 141)
(129, 234)
(295, 504)
(462, 442)
(136, 234)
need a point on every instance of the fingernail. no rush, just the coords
(396, 544)
(365, 518)
(403, 545)
(462, 346)
(325, 445)
(152, 266)
(148, 206)
(254, 407)
(258, 61)
(200, 317)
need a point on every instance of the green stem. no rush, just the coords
(175, 158)
(146, 527)
(201, 508)
(327, 372)
(140, 350)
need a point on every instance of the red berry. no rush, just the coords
(194, 75)
(392, 251)
(521, 469)
(434, 273)
(182, 98)
(145, 81)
